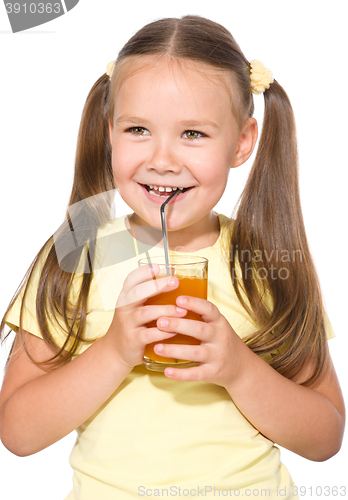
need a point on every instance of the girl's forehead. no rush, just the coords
(165, 73)
(182, 69)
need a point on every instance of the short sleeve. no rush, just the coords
(29, 319)
(29, 316)
(98, 319)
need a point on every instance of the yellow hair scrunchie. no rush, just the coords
(110, 68)
(260, 77)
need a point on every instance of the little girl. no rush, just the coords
(175, 111)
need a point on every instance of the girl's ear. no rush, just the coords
(246, 142)
(111, 132)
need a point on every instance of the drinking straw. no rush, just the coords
(164, 229)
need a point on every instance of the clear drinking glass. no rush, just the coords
(192, 272)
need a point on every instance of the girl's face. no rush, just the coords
(173, 128)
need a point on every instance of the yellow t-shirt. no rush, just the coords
(156, 437)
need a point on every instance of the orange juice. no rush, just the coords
(192, 273)
(193, 286)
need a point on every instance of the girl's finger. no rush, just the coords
(207, 310)
(144, 288)
(150, 335)
(197, 329)
(193, 374)
(139, 275)
(146, 314)
(197, 353)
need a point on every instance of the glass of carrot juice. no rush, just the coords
(192, 273)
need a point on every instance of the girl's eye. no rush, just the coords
(138, 130)
(193, 134)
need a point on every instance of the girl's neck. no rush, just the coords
(189, 239)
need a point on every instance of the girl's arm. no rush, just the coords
(39, 408)
(309, 421)
(306, 420)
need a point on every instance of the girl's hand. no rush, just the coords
(219, 353)
(128, 334)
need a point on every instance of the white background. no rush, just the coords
(45, 75)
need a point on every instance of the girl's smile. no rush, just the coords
(173, 128)
(158, 194)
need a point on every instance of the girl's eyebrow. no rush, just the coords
(131, 119)
(184, 123)
(199, 123)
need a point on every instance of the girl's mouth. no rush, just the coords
(164, 191)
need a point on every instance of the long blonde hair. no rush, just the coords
(268, 221)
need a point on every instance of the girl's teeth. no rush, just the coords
(162, 189)
(155, 190)
(156, 193)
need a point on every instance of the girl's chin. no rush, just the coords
(145, 220)
(154, 220)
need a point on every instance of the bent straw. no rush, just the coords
(164, 228)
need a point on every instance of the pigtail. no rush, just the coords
(86, 212)
(93, 169)
(272, 270)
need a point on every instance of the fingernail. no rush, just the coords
(180, 310)
(182, 300)
(172, 281)
(158, 347)
(163, 322)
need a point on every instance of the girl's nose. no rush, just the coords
(163, 160)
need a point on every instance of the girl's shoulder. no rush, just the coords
(226, 228)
